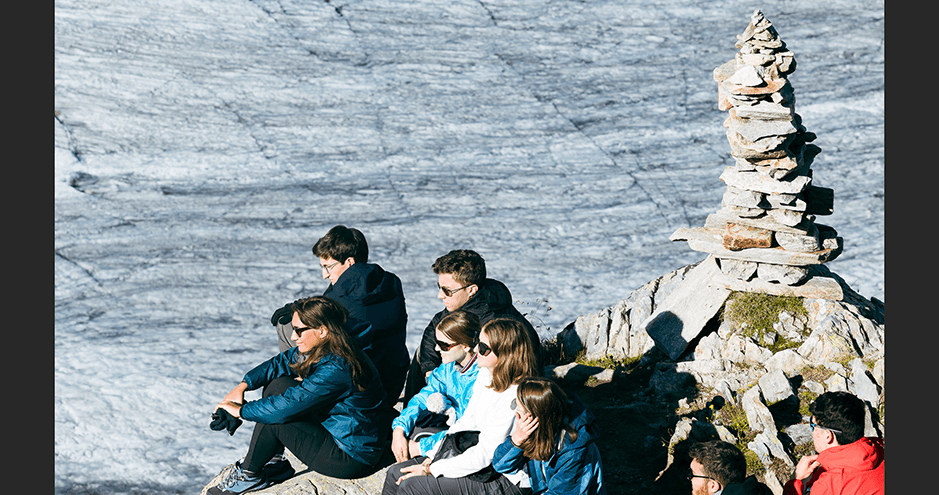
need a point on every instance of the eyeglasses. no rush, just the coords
(449, 292)
(833, 430)
(445, 346)
(326, 268)
(691, 476)
(484, 349)
(301, 330)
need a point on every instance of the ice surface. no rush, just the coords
(202, 147)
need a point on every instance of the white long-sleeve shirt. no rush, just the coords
(490, 413)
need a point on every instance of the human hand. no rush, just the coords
(524, 427)
(233, 408)
(806, 466)
(282, 315)
(422, 469)
(399, 445)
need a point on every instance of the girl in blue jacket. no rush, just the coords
(451, 384)
(554, 440)
(321, 401)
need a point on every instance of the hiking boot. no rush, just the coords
(239, 481)
(278, 470)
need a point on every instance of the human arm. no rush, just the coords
(399, 445)
(329, 380)
(509, 456)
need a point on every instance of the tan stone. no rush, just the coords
(739, 237)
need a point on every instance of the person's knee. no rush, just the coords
(278, 386)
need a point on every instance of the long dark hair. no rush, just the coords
(545, 400)
(319, 311)
(509, 340)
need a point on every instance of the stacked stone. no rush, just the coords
(765, 235)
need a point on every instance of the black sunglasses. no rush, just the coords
(449, 292)
(301, 330)
(484, 349)
(444, 346)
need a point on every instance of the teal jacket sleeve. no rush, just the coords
(274, 367)
(437, 382)
(327, 383)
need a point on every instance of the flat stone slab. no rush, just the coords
(712, 241)
(753, 181)
(816, 287)
(683, 314)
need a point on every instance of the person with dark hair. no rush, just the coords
(847, 461)
(375, 301)
(321, 400)
(424, 420)
(461, 462)
(463, 284)
(554, 440)
(720, 467)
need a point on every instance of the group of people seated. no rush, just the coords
(477, 417)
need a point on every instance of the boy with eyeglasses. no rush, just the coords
(375, 301)
(847, 461)
(719, 467)
(462, 285)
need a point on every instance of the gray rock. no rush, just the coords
(746, 76)
(814, 387)
(682, 315)
(743, 270)
(775, 386)
(741, 197)
(803, 243)
(836, 383)
(862, 384)
(758, 415)
(878, 372)
(786, 360)
(783, 274)
(752, 181)
(799, 433)
(786, 216)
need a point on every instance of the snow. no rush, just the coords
(202, 147)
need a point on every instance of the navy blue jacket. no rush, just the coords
(377, 319)
(327, 396)
(574, 469)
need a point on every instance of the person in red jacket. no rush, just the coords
(847, 462)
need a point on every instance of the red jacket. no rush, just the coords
(855, 469)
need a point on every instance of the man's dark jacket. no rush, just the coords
(377, 320)
(492, 300)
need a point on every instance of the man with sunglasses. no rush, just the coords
(375, 301)
(462, 285)
(719, 467)
(847, 461)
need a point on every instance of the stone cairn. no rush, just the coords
(764, 237)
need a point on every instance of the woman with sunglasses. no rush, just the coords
(321, 400)
(418, 428)
(555, 437)
(506, 355)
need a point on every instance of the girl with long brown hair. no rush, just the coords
(506, 355)
(321, 400)
(555, 436)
